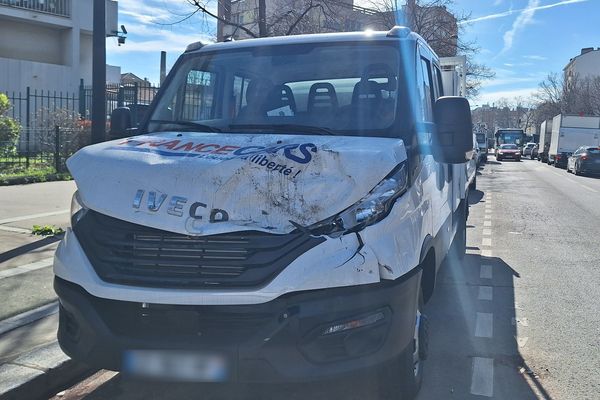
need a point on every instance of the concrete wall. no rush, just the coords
(33, 42)
(16, 75)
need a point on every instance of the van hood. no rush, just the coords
(209, 183)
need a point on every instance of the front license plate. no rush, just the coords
(176, 365)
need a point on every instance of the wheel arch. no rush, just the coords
(427, 261)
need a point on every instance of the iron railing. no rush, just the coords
(54, 7)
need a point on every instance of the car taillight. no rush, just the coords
(558, 157)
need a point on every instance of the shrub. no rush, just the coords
(9, 128)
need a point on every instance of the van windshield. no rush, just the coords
(342, 89)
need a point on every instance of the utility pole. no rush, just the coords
(262, 18)
(99, 72)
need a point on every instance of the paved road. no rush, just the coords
(518, 319)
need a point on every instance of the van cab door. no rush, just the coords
(440, 178)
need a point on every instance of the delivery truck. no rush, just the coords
(544, 144)
(570, 132)
(268, 221)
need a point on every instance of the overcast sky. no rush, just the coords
(521, 40)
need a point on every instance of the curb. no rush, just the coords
(39, 373)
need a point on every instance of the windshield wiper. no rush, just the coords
(190, 125)
(296, 128)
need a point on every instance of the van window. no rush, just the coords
(351, 90)
(426, 91)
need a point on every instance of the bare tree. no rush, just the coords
(441, 28)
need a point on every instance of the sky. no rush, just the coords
(522, 41)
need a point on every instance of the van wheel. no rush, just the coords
(402, 378)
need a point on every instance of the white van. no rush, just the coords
(280, 215)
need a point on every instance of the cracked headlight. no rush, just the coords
(78, 209)
(369, 210)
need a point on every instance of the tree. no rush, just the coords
(441, 28)
(9, 128)
(289, 17)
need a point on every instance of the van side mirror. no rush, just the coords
(453, 142)
(120, 123)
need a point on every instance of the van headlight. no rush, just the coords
(78, 209)
(369, 210)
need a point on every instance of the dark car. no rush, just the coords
(508, 151)
(585, 160)
(561, 160)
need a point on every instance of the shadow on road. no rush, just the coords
(453, 313)
(475, 197)
(26, 248)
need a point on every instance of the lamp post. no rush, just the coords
(99, 72)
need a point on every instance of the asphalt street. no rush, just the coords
(517, 319)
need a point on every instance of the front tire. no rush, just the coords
(402, 378)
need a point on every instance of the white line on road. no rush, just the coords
(33, 216)
(486, 242)
(28, 317)
(484, 325)
(14, 229)
(485, 272)
(486, 232)
(482, 381)
(22, 269)
(485, 293)
(487, 223)
(487, 216)
(486, 253)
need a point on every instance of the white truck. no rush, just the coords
(280, 215)
(570, 132)
(545, 137)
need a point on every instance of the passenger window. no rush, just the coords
(427, 91)
(198, 97)
(437, 80)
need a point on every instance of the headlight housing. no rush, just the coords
(78, 209)
(369, 210)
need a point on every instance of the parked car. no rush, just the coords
(560, 160)
(534, 152)
(585, 160)
(508, 151)
(527, 149)
(271, 240)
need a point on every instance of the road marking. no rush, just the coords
(486, 253)
(487, 223)
(485, 293)
(485, 271)
(482, 380)
(484, 325)
(22, 269)
(574, 181)
(28, 317)
(487, 232)
(14, 229)
(487, 216)
(32, 216)
(486, 242)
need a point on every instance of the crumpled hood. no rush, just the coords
(209, 183)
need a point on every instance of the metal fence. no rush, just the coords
(56, 7)
(38, 112)
(48, 149)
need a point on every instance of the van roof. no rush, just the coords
(395, 34)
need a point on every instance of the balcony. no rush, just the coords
(54, 7)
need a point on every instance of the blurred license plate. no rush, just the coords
(176, 365)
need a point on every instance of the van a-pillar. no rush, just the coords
(99, 72)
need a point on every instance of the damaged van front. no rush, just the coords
(279, 216)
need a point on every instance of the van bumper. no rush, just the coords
(282, 340)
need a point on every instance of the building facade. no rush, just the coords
(338, 16)
(47, 44)
(585, 65)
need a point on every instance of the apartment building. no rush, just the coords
(47, 44)
(585, 65)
